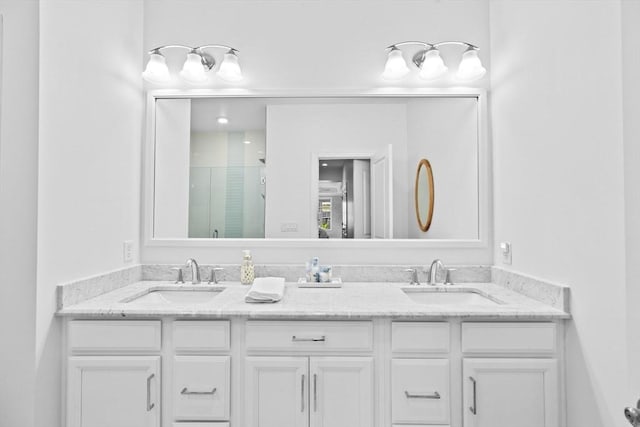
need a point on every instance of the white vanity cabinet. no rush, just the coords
(200, 378)
(341, 391)
(276, 391)
(510, 375)
(313, 373)
(109, 381)
(115, 379)
(314, 391)
(335, 390)
(420, 373)
(508, 392)
(113, 391)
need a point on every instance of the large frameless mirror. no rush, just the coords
(313, 167)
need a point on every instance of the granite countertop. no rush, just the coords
(351, 301)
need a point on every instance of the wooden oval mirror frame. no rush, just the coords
(424, 226)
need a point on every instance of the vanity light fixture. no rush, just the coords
(196, 65)
(223, 120)
(430, 63)
(396, 66)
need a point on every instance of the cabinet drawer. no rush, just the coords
(201, 388)
(309, 336)
(419, 337)
(200, 335)
(107, 336)
(521, 338)
(420, 391)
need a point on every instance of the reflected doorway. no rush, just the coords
(344, 198)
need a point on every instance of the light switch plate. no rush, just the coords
(127, 251)
(506, 251)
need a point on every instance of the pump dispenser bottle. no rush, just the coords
(247, 272)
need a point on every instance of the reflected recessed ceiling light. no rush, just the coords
(324, 165)
(246, 141)
(223, 120)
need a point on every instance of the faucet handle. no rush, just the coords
(213, 277)
(179, 279)
(447, 279)
(414, 276)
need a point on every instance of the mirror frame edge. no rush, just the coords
(485, 193)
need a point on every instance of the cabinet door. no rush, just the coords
(341, 391)
(276, 392)
(509, 392)
(113, 391)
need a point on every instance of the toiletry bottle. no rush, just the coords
(247, 272)
(315, 269)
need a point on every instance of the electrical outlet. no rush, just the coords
(127, 251)
(289, 227)
(506, 250)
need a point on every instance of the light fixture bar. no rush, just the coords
(430, 64)
(427, 45)
(196, 65)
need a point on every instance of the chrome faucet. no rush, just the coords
(436, 266)
(195, 271)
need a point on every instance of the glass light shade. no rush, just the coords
(396, 67)
(193, 70)
(230, 68)
(470, 67)
(433, 66)
(156, 70)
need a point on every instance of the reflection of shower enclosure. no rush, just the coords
(226, 202)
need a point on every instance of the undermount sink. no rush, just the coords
(449, 297)
(175, 296)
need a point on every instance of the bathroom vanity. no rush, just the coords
(366, 354)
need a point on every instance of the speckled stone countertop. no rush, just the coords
(351, 301)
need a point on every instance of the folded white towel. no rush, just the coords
(266, 289)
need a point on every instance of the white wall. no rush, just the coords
(91, 110)
(310, 44)
(307, 46)
(18, 202)
(631, 104)
(558, 175)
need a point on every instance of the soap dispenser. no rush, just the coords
(247, 271)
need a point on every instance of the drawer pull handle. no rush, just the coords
(302, 394)
(435, 395)
(311, 339)
(187, 392)
(150, 405)
(473, 409)
(315, 393)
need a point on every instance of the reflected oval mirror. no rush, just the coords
(424, 194)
